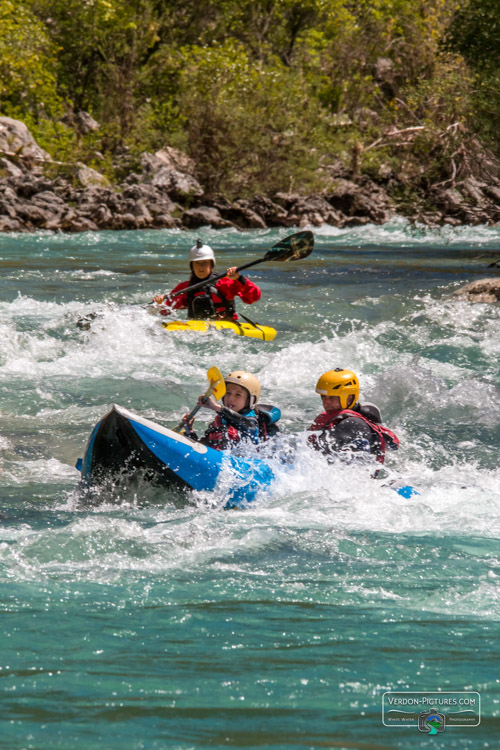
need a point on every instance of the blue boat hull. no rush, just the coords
(124, 443)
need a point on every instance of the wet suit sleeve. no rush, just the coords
(180, 302)
(242, 287)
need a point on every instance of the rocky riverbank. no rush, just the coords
(37, 192)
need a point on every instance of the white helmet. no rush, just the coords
(201, 252)
(247, 381)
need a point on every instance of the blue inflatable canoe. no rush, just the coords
(124, 442)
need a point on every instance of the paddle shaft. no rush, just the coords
(214, 385)
(199, 284)
(185, 422)
(195, 410)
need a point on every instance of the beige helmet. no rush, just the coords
(247, 381)
(341, 383)
(201, 252)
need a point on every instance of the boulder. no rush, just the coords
(181, 185)
(10, 225)
(73, 222)
(315, 211)
(48, 199)
(240, 214)
(84, 123)
(89, 177)
(272, 213)
(175, 159)
(165, 221)
(7, 209)
(363, 200)
(481, 290)
(81, 121)
(204, 216)
(16, 139)
(9, 169)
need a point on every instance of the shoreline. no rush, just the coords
(37, 192)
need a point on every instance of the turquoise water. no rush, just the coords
(135, 623)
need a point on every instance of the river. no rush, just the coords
(135, 623)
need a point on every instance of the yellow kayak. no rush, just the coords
(264, 333)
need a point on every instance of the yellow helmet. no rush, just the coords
(247, 381)
(341, 383)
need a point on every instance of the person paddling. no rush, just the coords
(239, 418)
(214, 301)
(346, 424)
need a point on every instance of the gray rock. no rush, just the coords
(148, 192)
(9, 169)
(481, 290)
(15, 138)
(204, 216)
(103, 217)
(72, 222)
(7, 208)
(10, 225)
(33, 214)
(158, 171)
(240, 214)
(165, 221)
(175, 159)
(48, 199)
(89, 177)
(140, 210)
(272, 213)
(178, 184)
(315, 211)
(84, 123)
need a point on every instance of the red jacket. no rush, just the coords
(229, 289)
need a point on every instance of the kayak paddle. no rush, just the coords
(217, 388)
(294, 247)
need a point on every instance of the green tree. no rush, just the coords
(249, 127)
(475, 34)
(28, 87)
(103, 45)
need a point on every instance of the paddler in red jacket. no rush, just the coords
(215, 301)
(347, 425)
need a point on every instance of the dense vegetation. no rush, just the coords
(265, 95)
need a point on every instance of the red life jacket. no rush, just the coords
(218, 434)
(386, 436)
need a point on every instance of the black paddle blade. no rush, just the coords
(294, 247)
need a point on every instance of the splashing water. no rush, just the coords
(138, 622)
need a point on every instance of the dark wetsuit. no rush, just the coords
(344, 430)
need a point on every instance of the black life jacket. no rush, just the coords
(209, 303)
(386, 438)
(268, 417)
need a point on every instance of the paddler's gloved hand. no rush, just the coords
(160, 299)
(188, 426)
